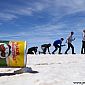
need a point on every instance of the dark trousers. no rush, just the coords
(56, 47)
(83, 47)
(45, 49)
(70, 46)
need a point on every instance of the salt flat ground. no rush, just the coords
(52, 70)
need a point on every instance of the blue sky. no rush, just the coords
(42, 21)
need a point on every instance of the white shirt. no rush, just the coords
(83, 36)
(70, 39)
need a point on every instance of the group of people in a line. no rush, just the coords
(58, 44)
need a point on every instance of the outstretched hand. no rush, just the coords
(63, 45)
(74, 38)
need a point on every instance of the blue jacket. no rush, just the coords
(57, 42)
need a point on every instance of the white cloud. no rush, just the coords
(21, 11)
(27, 10)
(38, 6)
(14, 35)
(55, 7)
(7, 16)
(52, 7)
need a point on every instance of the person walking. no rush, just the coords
(57, 44)
(69, 42)
(83, 43)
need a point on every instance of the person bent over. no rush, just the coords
(32, 50)
(57, 44)
(45, 47)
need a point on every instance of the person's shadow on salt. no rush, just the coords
(20, 71)
(25, 70)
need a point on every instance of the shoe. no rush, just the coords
(59, 53)
(66, 53)
(52, 52)
(73, 53)
(39, 52)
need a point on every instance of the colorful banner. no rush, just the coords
(13, 54)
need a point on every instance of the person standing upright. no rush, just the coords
(69, 42)
(83, 43)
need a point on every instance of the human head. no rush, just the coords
(49, 44)
(35, 49)
(62, 39)
(84, 31)
(72, 33)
